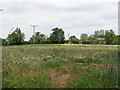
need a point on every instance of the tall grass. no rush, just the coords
(84, 66)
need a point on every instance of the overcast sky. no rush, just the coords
(73, 16)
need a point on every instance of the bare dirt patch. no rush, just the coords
(99, 65)
(30, 73)
(58, 80)
(68, 68)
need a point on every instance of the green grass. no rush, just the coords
(94, 77)
(70, 66)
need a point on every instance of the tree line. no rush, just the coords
(58, 37)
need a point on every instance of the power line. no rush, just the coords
(33, 32)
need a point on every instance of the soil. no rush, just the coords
(58, 80)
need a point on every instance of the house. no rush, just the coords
(102, 40)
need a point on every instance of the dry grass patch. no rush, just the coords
(80, 63)
(58, 79)
(99, 65)
(30, 73)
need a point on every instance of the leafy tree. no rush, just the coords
(39, 38)
(99, 34)
(102, 33)
(57, 36)
(26, 42)
(16, 38)
(96, 34)
(73, 39)
(109, 36)
(84, 39)
(91, 39)
(116, 40)
(5, 42)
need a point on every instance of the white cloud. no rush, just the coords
(74, 16)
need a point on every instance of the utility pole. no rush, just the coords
(33, 32)
(68, 37)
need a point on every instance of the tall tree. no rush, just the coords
(73, 39)
(109, 36)
(4, 42)
(39, 38)
(116, 40)
(57, 36)
(99, 34)
(16, 38)
(84, 37)
(91, 39)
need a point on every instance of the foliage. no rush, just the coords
(39, 38)
(99, 33)
(73, 39)
(109, 36)
(16, 38)
(26, 42)
(85, 39)
(95, 77)
(5, 42)
(47, 66)
(57, 36)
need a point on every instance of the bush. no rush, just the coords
(5, 42)
(27, 42)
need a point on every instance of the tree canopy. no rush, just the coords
(84, 38)
(74, 39)
(109, 36)
(39, 38)
(16, 38)
(57, 36)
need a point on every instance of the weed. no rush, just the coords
(76, 66)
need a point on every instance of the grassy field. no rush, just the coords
(60, 66)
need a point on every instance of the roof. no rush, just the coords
(100, 39)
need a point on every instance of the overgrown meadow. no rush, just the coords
(60, 66)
